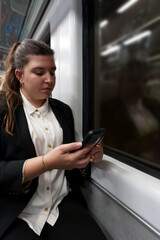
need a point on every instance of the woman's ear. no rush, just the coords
(19, 75)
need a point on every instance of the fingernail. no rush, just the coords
(79, 144)
(91, 159)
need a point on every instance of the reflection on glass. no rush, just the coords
(137, 37)
(132, 117)
(17, 18)
(127, 5)
(127, 78)
(12, 16)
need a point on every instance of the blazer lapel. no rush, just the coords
(60, 117)
(23, 130)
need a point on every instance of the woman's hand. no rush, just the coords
(96, 153)
(62, 156)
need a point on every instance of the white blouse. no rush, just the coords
(46, 134)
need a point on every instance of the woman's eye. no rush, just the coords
(43, 73)
(39, 73)
(52, 73)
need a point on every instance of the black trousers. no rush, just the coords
(74, 223)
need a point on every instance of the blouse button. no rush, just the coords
(46, 209)
(46, 128)
(48, 188)
(38, 116)
(49, 145)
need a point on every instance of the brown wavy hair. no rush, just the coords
(17, 58)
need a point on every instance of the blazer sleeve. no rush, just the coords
(12, 158)
(10, 170)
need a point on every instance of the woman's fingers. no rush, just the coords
(83, 162)
(97, 153)
(70, 147)
(69, 156)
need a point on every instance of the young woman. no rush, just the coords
(39, 176)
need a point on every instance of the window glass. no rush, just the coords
(18, 19)
(127, 77)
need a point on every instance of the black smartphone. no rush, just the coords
(93, 136)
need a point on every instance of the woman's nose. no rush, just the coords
(49, 77)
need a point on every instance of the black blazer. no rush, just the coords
(14, 150)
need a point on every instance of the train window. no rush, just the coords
(18, 20)
(126, 99)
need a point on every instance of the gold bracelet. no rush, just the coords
(44, 165)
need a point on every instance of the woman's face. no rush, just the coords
(37, 79)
